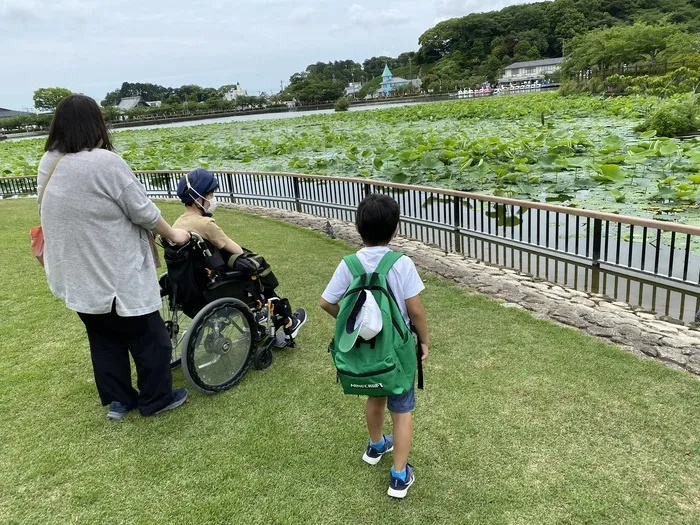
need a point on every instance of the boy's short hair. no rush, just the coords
(377, 219)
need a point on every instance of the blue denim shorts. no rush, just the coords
(404, 403)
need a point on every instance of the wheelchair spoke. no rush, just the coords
(222, 346)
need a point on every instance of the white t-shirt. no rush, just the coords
(403, 278)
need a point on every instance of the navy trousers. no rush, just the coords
(111, 339)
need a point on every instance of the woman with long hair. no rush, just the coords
(98, 226)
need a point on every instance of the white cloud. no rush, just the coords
(360, 16)
(16, 12)
(302, 14)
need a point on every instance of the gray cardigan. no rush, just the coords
(95, 215)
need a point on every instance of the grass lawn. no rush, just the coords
(522, 421)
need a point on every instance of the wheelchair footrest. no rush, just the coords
(280, 341)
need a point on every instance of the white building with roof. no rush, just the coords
(128, 103)
(531, 71)
(353, 88)
(235, 92)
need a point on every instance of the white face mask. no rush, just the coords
(212, 204)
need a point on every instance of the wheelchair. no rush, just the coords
(220, 321)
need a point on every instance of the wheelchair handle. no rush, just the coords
(198, 240)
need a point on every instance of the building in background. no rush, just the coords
(4, 113)
(531, 71)
(353, 88)
(235, 92)
(390, 83)
(128, 103)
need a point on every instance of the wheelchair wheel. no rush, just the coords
(177, 324)
(263, 358)
(218, 347)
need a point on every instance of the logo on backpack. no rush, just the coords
(386, 364)
(368, 387)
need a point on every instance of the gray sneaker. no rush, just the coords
(179, 398)
(118, 411)
(298, 320)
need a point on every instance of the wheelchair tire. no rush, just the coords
(218, 347)
(263, 358)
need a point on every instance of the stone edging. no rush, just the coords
(638, 332)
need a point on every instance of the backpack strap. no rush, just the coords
(388, 262)
(354, 265)
(419, 357)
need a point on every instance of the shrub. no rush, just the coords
(343, 104)
(572, 87)
(595, 86)
(673, 118)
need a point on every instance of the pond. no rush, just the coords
(586, 154)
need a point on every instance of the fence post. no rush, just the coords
(229, 181)
(368, 189)
(297, 194)
(597, 245)
(457, 206)
(169, 185)
(597, 241)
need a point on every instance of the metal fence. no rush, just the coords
(646, 263)
(631, 70)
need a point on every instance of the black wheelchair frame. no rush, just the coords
(235, 324)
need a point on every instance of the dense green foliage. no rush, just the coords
(587, 154)
(674, 117)
(621, 46)
(678, 82)
(191, 93)
(322, 81)
(466, 51)
(46, 99)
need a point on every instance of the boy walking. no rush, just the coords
(377, 223)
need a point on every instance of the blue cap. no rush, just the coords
(196, 184)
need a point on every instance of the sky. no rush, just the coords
(92, 46)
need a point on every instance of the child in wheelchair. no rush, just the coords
(196, 191)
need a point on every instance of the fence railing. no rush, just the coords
(632, 70)
(644, 262)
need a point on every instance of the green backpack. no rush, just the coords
(387, 364)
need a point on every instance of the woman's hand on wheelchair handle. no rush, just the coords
(180, 237)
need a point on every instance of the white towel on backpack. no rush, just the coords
(369, 320)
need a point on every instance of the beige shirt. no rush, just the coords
(204, 226)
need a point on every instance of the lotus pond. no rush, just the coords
(586, 154)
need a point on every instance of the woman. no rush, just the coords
(97, 223)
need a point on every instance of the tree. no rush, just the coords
(46, 99)
(111, 113)
(112, 98)
(650, 40)
(373, 67)
(682, 48)
(624, 45)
